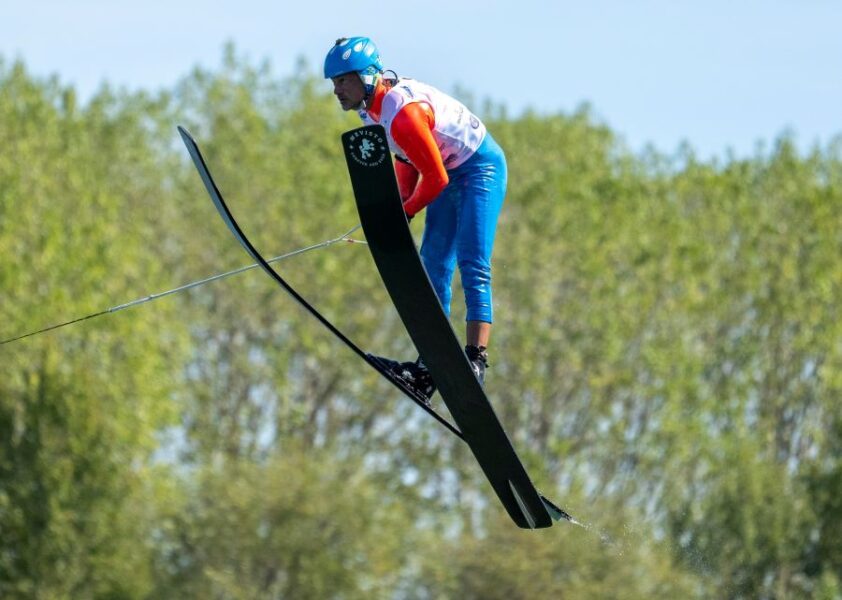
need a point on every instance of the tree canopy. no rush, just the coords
(666, 359)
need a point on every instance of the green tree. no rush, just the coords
(79, 411)
(665, 358)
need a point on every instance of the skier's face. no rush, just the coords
(349, 90)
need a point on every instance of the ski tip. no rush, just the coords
(184, 133)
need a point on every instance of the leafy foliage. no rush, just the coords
(666, 358)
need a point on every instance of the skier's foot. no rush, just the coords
(423, 380)
(478, 357)
(415, 375)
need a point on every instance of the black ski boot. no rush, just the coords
(415, 375)
(478, 357)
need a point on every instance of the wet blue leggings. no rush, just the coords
(460, 229)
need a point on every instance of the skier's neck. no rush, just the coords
(374, 104)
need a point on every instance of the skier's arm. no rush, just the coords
(412, 131)
(407, 178)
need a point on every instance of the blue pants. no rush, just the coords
(460, 229)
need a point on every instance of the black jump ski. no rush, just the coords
(391, 244)
(225, 213)
(228, 218)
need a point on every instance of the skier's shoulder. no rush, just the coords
(409, 89)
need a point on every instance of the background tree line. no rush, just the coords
(666, 359)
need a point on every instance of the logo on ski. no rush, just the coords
(367, 148)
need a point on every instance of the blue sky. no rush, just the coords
(719, 74)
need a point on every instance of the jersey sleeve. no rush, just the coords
(412, 130)
(407, 178)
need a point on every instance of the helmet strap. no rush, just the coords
(369, 88)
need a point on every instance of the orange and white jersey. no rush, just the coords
(457, 131)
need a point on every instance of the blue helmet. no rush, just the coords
(358, 55)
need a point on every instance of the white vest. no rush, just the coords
(457, 131)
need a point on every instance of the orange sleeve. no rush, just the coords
(407, 178)
(412, 130)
